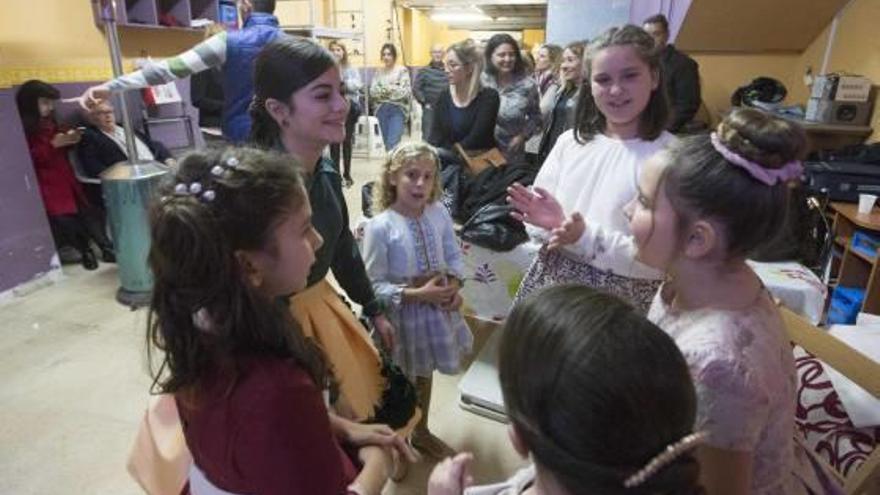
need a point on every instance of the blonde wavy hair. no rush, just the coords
(469, 55)
(400, 157)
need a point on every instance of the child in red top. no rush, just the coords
(69, 213)
(231, 234)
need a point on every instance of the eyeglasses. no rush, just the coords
(452, 65)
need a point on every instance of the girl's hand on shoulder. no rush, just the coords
(451, 476)
(386, 331)
(569, 232)
(535, 206)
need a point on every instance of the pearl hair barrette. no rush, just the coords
(664, 458)
(196, 189)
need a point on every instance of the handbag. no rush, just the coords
(399, 399)
(477, 161)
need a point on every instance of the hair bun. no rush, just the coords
(762, 138)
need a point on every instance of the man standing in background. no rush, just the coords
(682, 74)
(430, 83)
(234, 52)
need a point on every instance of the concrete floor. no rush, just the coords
(74, 384)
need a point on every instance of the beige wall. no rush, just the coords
(58, 41)
(532, 37)
(69, 47)
(722, 74)
(856, 50)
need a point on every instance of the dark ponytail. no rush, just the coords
(283, 67)
(613, 391)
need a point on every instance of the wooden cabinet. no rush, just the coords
(855, 268)
(164, 14)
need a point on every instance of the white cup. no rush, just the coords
(866, 202)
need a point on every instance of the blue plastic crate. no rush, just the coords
(845, 305)
(865, 243)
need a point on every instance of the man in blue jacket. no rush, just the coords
(234, 52)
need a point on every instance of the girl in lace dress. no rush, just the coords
(702, 207)
(414, 261)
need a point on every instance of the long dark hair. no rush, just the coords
(519, 66)
(589, 121)
(700, 182)
(197, 277)
(26, 98)
(282, 67)
(612, 391)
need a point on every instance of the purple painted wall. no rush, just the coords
(26, 246)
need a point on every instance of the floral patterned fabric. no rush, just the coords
(554, 268)
(824, 423)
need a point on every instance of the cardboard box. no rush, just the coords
(841, 88)
(838, 112)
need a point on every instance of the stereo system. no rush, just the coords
(837, 99)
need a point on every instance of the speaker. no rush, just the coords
(838, 112)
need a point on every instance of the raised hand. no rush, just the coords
(536, 206)
(569, 232)
(93, 96)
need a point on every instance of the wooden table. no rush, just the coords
(855, 268)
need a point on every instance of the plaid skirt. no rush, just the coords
(430, 338)
(551, 267)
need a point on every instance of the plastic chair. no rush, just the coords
(78, 170)
(368, 138)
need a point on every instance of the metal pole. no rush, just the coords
(108, 10)
(128, 188)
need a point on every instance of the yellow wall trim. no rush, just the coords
(11, 76)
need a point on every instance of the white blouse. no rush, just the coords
(598, 179)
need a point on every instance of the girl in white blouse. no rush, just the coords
(575, 208)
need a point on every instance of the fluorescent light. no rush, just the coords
(460, 16)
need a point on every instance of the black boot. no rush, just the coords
(89, 262)
(107, 255)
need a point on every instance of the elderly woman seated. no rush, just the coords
(103, 142)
